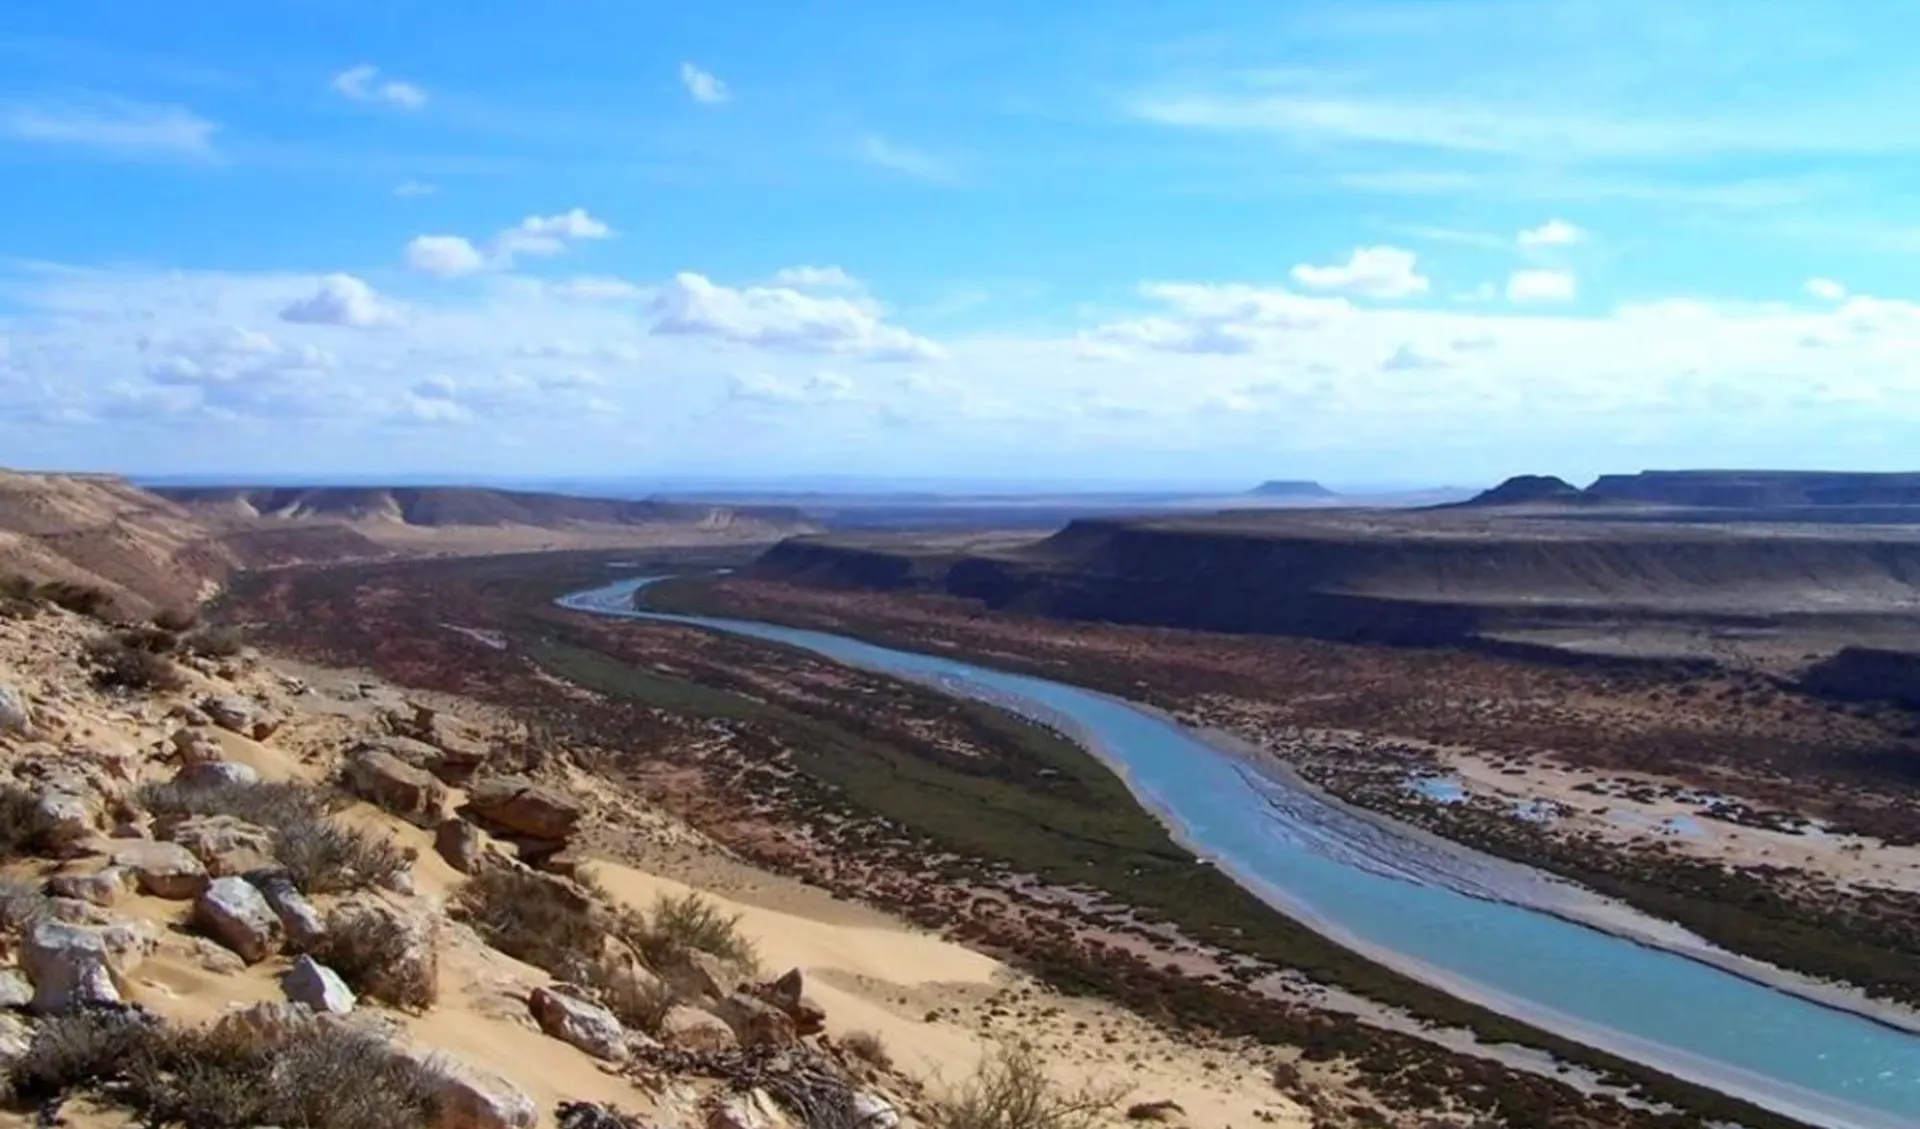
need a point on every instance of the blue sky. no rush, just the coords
(1434, 240)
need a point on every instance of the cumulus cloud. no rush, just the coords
(596, 288)
(113, 125)
(534, 236)
(1826, 289)
(1370, 272)
(1553, 233)
(782, 318)
(1530, 286)
(446, 256)
(363, 84)
(703, 86)
(342, 300)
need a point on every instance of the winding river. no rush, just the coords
(1447, 917)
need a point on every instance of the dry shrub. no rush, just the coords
(317, 1076)
(320, 854)
(24, 826)
(372, 952)
(23, 905)
(117, 666)
(178, 621)
(690, 922)
(1011, 1090)
(151, 638)
(82, 599)
(531, 918)
(869, 1048)
(639, 1004)
(214, 643)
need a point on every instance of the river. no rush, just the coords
(1452, 923)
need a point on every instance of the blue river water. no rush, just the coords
(1687, 1018)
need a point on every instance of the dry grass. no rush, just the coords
(23, 826)
(531, 918)
(868, 1048)
(371, 952)
(1011, 1090)
(320, 854)
(317, 1076)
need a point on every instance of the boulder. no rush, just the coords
(518, 806)
(162, 870)
(463, 749)
(871, 1111)
(464, 846)
(67, 817)
(690, 1029)
(215, 774)
(16, 713)
(419, 754)
(789, 994)
(74, 966)
(239, 715)
(224, 844)
(755, 1022)
(235, 914)
(302, 923)
(408, 792)
(197, 746)
(694, 974)
(102, 887)
(16, 991)
(467, 1097)
(266, 1022)
(189, 714)
(16, 1039)
(584, 1025)
(317, 987)
(751, 1110)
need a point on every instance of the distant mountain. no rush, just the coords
(441, 507)
(1290, 488)
(1523, 488)
(1750, 489)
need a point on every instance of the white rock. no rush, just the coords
(302, 922)
(213, 774)
(16, 715)
(15, 991)
(68, 818)
(470, 1098)
(318, 987)
(871, 1111)
(103, 887)
(16, 1037)
(751, 1110)
(587, 1026)
(70, 966)
(235, 914)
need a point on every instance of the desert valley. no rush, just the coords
(1214, 817)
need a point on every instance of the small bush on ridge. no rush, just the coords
(320, 854)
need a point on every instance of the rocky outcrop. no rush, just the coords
(460, 747)
(73, 966)
(215, 774)
(223, 844)
(465, 847)
(691, 1029)
(470, 1098)
(1525, 488)
(101, 887)
(383, 779)
(235, 914)
(238, 715)
(299, 919)
(16, 714)
(789, 995)
(755, 1022)
(574, 1021)
(161, 870)
(519, 808)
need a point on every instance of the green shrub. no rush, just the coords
(320, 854)
(690, 922)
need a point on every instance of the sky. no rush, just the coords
(1115, 241)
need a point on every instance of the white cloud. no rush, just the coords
(447, 256)
(1370, 272)
(549, 235)
(594, 288)
(703, 86)
(113, 125)
(1826, 289)
(341, 300)
(815, 278)
(815, 388)
(909, 162)
(414, 188)
(1553, 233)
(781, 318)
(1542, 286)
(364, 84)
(1412, 358)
